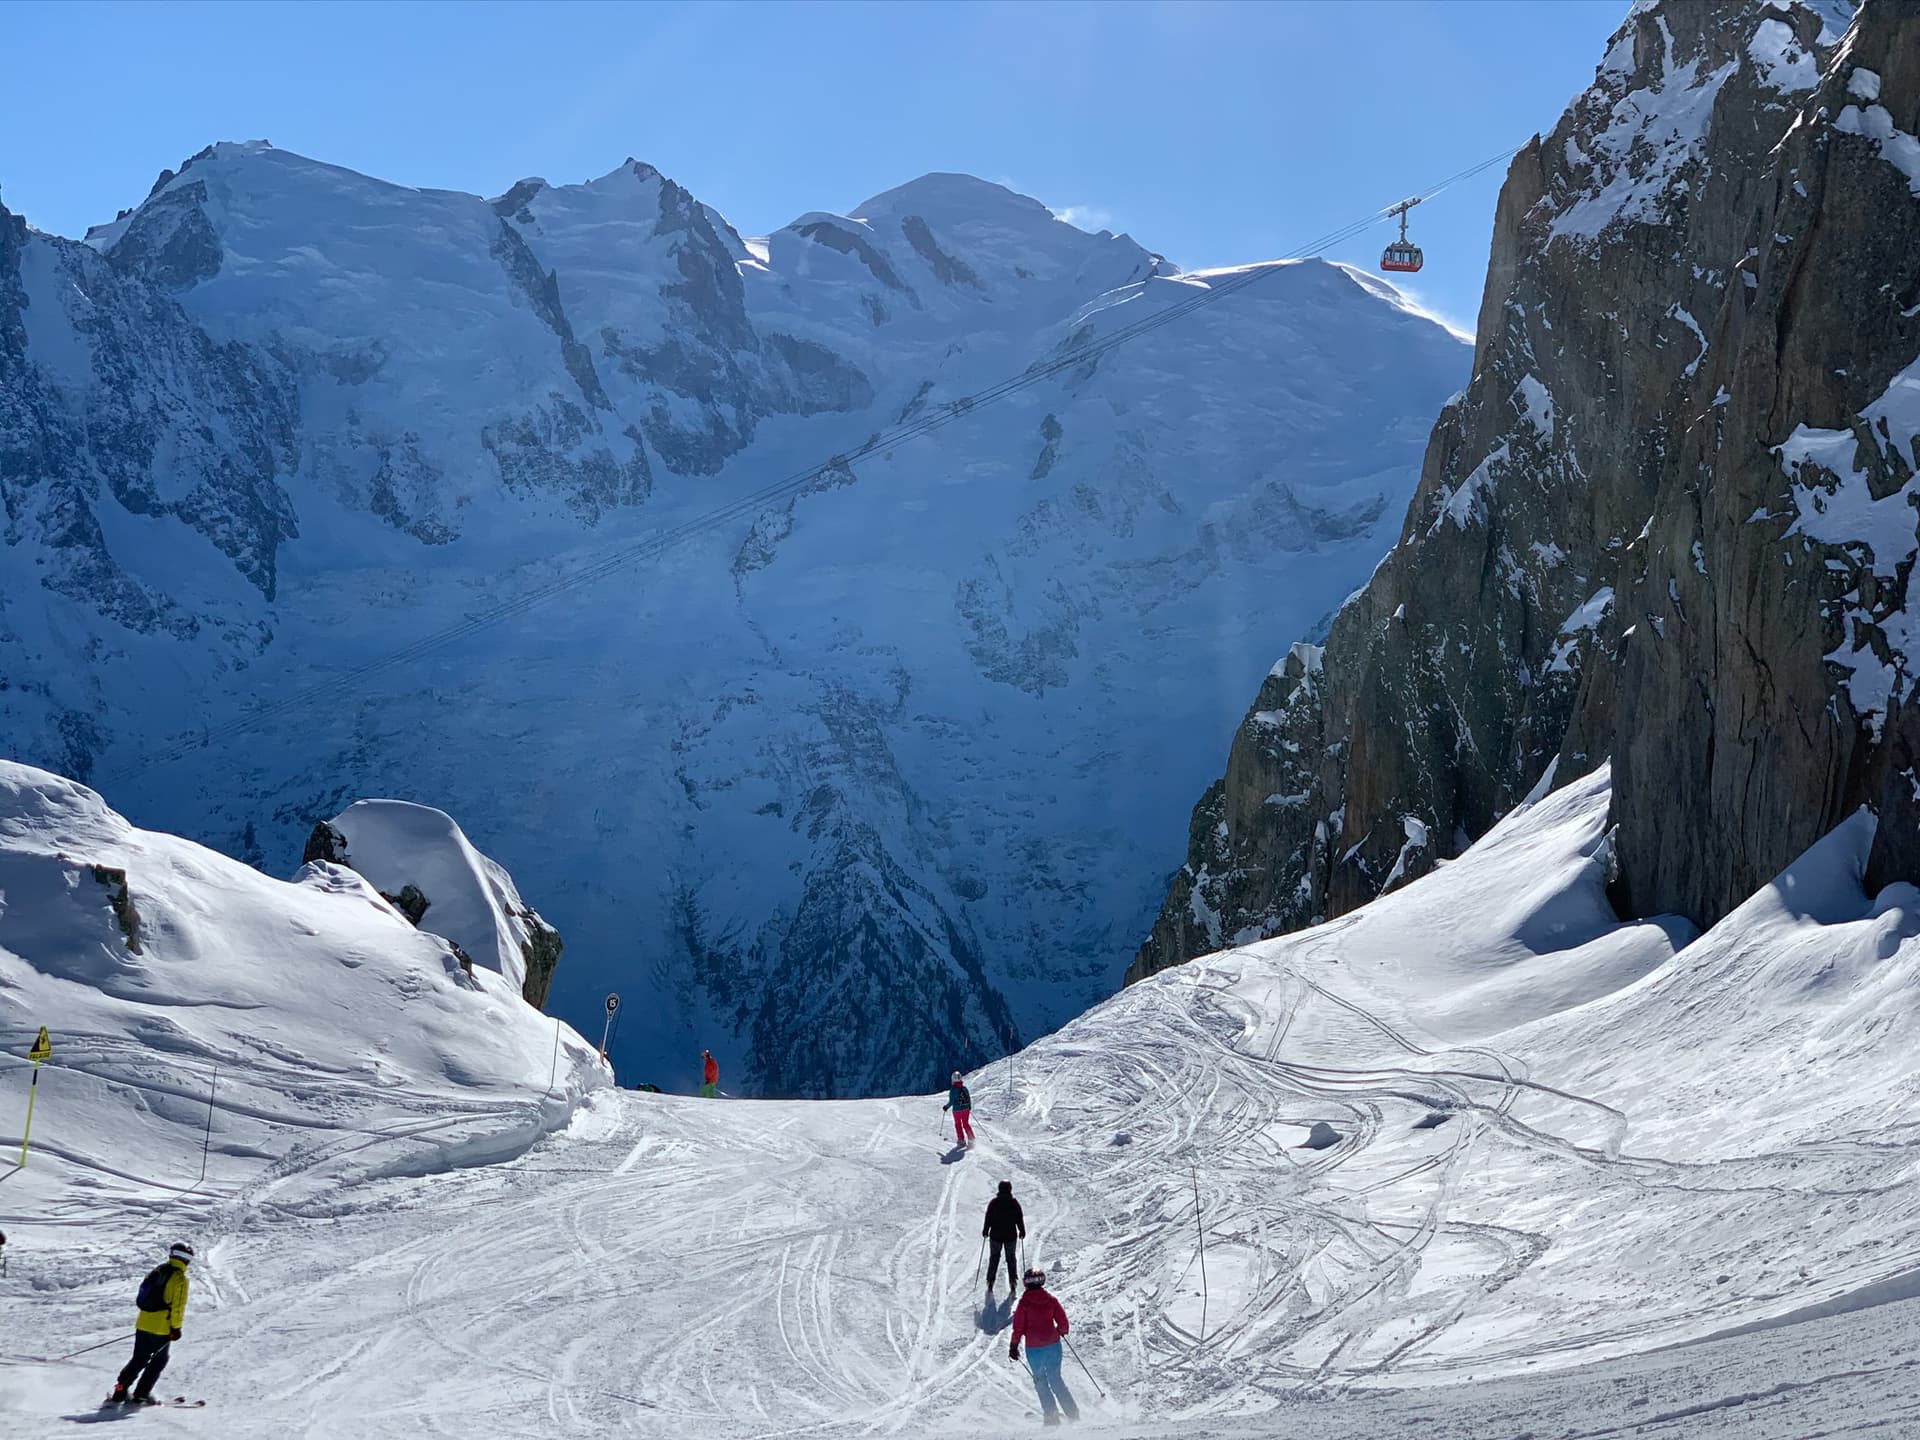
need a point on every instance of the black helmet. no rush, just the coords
(181, 1251)
(1034, 1278)
(1006, 1187)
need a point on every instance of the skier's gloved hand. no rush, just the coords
(173, 1335)
(1013, 1351)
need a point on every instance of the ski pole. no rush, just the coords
(117, 1340)
(977, 1269)
(1083, 1365)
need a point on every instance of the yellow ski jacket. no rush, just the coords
(164, 1322)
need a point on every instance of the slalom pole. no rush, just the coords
(206, 1141)
(1199, 1230)
(1083, 1365)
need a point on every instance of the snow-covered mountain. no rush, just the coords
(862, 783)
(1590, 1178)
(1670, 521)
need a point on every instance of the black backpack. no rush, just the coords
(153, 1289)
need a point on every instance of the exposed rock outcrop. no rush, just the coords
(419, 860)
(121, 899)
(1666, 521)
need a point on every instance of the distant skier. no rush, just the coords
(162, 1303)
(961, 1104)
(1004, 1222)
(709, 1075)
(1042, 1323)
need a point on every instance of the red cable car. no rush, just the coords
(1402, 254)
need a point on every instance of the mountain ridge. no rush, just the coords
(855, 755)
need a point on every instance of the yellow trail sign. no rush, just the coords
(42, 1048)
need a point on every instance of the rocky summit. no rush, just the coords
(1670, 521)
(836, 706)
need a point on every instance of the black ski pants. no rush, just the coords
(999, 1246)
(149, 1359)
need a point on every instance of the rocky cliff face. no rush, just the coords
(1667, 521)
(852, 786)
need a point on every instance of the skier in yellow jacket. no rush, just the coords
(163, 1309)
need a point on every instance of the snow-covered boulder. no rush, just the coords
(423, 864)
(1322, 1137)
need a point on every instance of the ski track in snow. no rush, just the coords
(760, 1276)
(1570, 1240)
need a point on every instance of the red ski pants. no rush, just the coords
(962, 1126)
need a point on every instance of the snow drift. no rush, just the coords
(296, 1031)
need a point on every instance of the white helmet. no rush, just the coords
(958, 1077)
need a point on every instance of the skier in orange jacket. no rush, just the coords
(709, 1075)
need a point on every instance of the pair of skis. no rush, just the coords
(178, 1402)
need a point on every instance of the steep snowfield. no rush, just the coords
(887, 770)
(1636, 1149)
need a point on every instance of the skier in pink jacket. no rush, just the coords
(1041, 1321)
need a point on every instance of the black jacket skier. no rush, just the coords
(1004, 1221)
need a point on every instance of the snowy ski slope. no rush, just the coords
(1640, 1150)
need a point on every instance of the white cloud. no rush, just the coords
(1085, 217)
(1425, 303)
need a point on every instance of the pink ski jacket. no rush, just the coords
(1039, 1320)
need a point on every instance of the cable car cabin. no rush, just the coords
(1402, 255)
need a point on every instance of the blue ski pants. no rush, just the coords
(1043, 1363)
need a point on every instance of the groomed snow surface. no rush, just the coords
(1570, 1152)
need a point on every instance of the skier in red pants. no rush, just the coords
(961, 1104)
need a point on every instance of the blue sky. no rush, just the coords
(1213, 132)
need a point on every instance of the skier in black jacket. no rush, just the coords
(1003, 1222)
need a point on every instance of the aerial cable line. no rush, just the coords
(766, 496)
